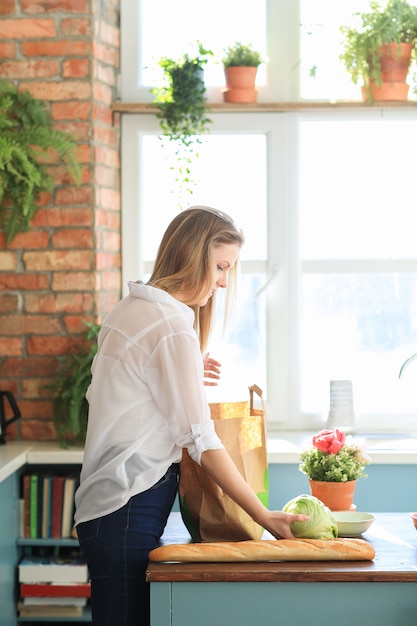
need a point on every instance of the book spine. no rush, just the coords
(49, 590)
(33, 506)
(26, 505)
(56, 506)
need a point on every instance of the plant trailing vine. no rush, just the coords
(27, 139)
(181, 106)
(70, 406)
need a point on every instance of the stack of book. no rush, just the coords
(53, 586)
(47, 505)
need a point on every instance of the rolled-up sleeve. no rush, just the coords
(203, 437)
(178, 389)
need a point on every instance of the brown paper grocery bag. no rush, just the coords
(208, 513)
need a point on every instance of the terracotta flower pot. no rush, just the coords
(395, 62)
(337, 496)
(240, 84)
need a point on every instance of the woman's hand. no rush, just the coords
(278, 523)
(211, 370)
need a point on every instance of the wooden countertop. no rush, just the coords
(392, 534)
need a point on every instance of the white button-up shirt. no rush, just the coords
(146, 401)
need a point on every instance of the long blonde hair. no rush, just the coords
(183, 260)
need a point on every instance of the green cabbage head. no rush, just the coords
(321, 525)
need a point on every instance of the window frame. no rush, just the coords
(283, 268)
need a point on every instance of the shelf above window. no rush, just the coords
(266, 107)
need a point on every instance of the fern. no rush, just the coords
(27, 141)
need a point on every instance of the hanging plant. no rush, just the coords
(182, 109)
(27, 137)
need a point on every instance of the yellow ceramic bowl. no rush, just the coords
(414, 518)
(352, 523)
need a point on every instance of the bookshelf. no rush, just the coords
(35, 542)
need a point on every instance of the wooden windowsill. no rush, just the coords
(267, 107)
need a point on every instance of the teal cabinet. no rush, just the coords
(9, 532)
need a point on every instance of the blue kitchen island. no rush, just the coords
(275, 593)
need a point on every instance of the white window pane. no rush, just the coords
(360, 327)
(230, 175)
(241, 350)
(185, 21)
(355, 190)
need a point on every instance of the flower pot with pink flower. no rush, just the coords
(333, 464)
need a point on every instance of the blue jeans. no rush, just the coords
(116, 549)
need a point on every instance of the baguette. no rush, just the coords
(266, 550)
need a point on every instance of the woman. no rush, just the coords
(146, 403)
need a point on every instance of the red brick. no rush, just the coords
(24, 281)
(73, 195)
(107, 156)
(106, 176)
(76, 26)
(59, 346)
(33, 430)
(27, 324)
(107, 135)
(103, 93)
(29, 69)
(36, 409)
(11, 346)
(68, 90)
(109, 34)
(76, 238)
(71, 110)
(8, 261)
(7, 50)
(58, 303)
(58, 48)
(108, 219)
(106, 74)
(43, 6)
(7, 7)
(29, 240)
(36, 388)
(63, 217)
(109, 198)
(57, 260)
(111, 281)
(107, 261)
(27, 28)
(27, 367)
(106, 54)
(75, 68)
(106, 301)
(9, 385)
(110, 241)
(79, 130)
(102, 113)
(9, 303)
(75, 324)
(73, 281)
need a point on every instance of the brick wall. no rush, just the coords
(66, 269)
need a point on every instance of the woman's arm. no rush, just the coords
(224, 472)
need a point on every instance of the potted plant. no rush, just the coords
(70, 406)
(333, 464)
(181, 103)
(240, 63)
(378, 52)
(27, 138)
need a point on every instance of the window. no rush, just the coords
(329, 271)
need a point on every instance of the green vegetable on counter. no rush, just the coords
(321, 525)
